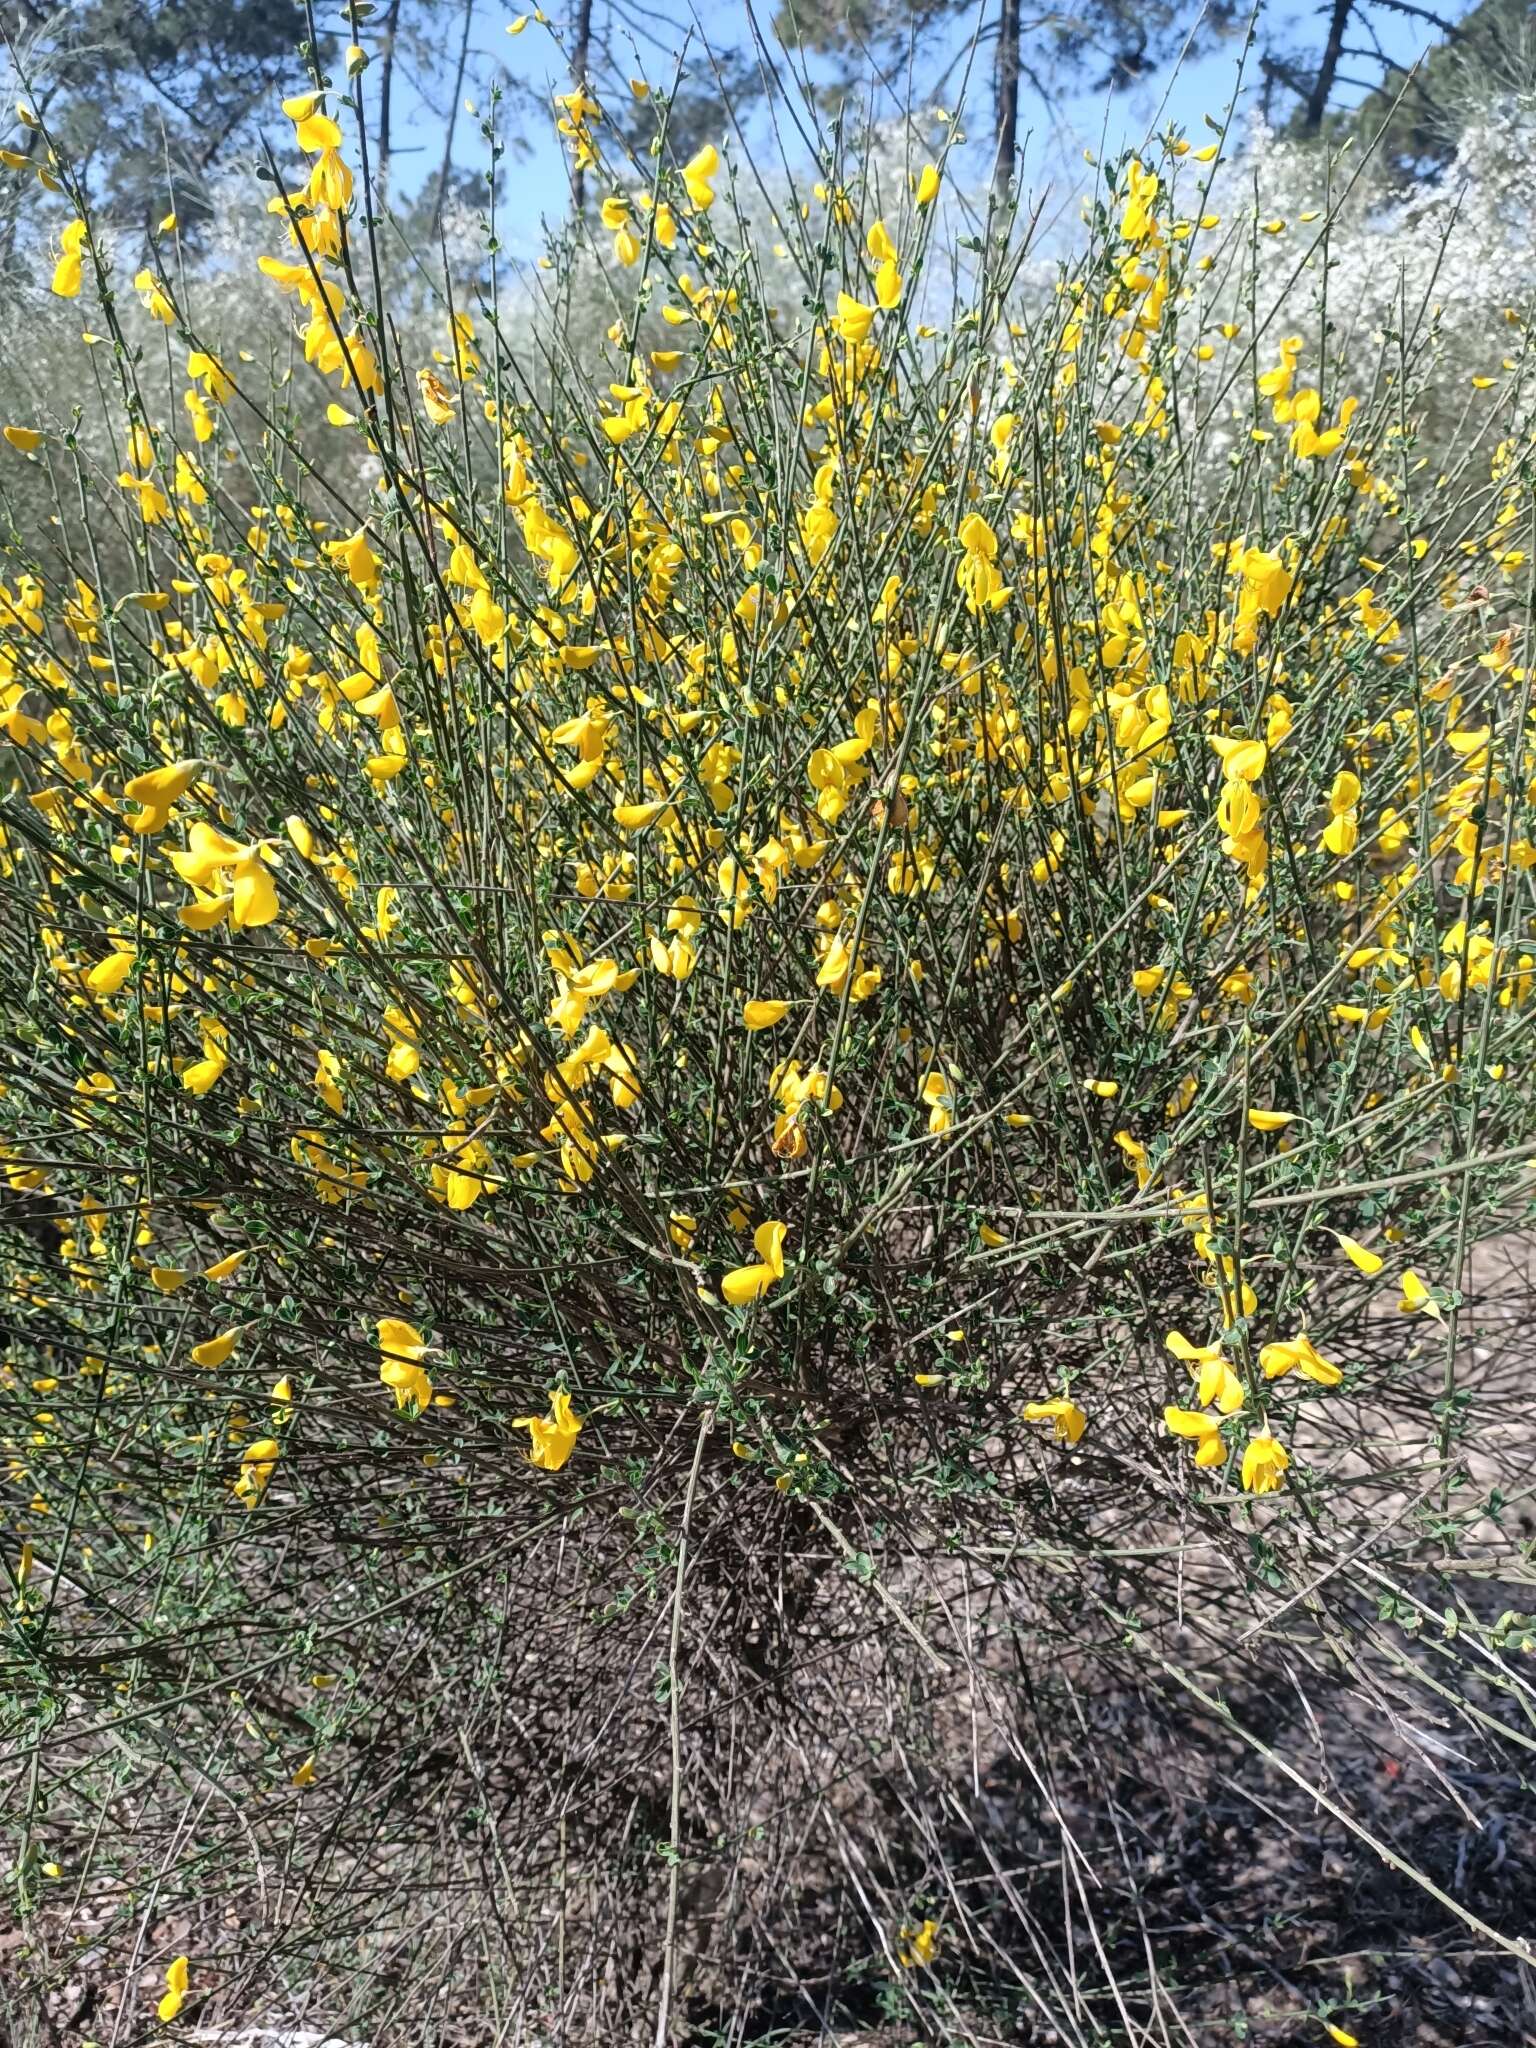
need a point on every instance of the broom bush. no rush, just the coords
(754, 1064)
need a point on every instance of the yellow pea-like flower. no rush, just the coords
(175, 1989)
(213, 1351)
(1360, 1256)
(749, 1283)
(1270, 1119)
(1417, 1299)
(1067, 1420)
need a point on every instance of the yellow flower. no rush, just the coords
(257, 1465)
(437, 401)
(254, 899)
(1264, 1463)
(1068, 1418)
(1417, 1298)
(237, 875)
(175, 1989)
(1204, 1429)
(221, 1269)
(1217, 1382)
(1270, 1119)
(940, 1098)
(1360, 1256)
(747, 1283)
(636, 817)
(68, 270)
(554, 1435)
(1298, 1355)
(697, 172)
(108, 976)
(918, 1945)
(213, 1351)
(315, 130)
(1243, 760)
(200, 1075)
(360, 563)
(762, 1016)
(402, 1348)
(853, 319)
(152, 292)
(158, 790)
(624, 1085)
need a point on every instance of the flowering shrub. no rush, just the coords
(694, 1048)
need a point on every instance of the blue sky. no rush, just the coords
(532, 66)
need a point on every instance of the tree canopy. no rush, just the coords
(150, 97)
